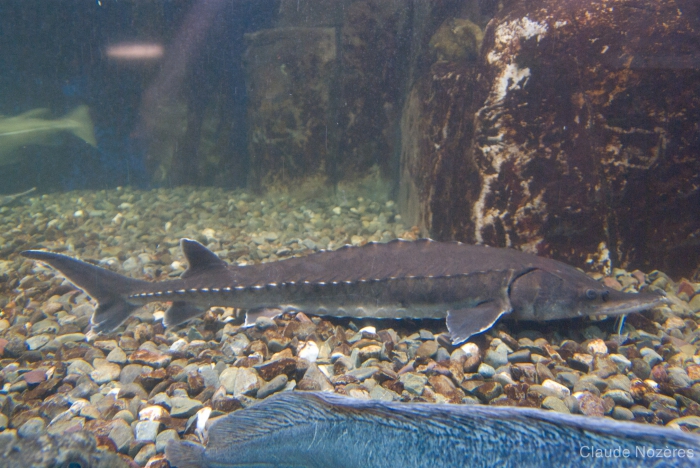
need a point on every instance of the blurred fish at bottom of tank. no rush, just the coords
(34, 128)
(300, 429)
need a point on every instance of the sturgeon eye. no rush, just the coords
(591, 294)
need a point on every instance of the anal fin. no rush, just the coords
(180, 312)
(463, 323)
(252, 315)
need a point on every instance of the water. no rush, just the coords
(266, 129)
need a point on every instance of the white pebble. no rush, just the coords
(308, 351)
(597, 346)
(654, 385)
(210, 234)
(179, 345)
(470, 349)
(79, 214)
(560, 389)
(152, 413)
(337, 210)
(372, 330)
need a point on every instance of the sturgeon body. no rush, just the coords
(471, 286)
(299, 429)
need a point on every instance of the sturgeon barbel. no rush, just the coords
(315, 430)
(471, 286)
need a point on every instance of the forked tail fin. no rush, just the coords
(109, 289)
(82, 124)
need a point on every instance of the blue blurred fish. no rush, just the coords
(299, 429)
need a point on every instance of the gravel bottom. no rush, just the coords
(121, 397)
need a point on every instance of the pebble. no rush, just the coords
(597, 346)
(143, 455)
(560, 390)
(183, 407)
(146, 430)
(427, 349)
(620, 397)
(590, 404)
(273, 386)
(315, 380)
(117, 356)
(80, 367)
(521, 355)
(486, 371)
(36, 342)
(164, 437)
(679, 377)
(413, 383)
(488, 391)
(105, 371)
(121, 434)
(650, 356)
(33, 428)
(622, 414)
(496, 358)
(623, 364)
(383, 394)
(239, 381)
(555, 404)
(71, 338)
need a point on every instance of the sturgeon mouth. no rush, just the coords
(619, 303)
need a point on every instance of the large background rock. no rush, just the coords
(586, 136)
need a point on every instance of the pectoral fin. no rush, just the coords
(463, 323)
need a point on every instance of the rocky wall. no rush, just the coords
(585, 136)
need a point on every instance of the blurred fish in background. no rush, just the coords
(33, 128)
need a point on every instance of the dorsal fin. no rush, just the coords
(199, 258)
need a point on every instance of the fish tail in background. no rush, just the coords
(109, 289)
(82, 124)
(185, 454)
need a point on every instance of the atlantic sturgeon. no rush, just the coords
(299, 429)
(472, 286)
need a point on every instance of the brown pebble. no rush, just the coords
(612, 283)
(685, 287)
(272, 369)
(149, 358)
(638, 389)
(471, 364)
(35, 376)
(693, 371)
(590, 404)
(150, 379)
(427, 349)
(488, 391)
(659, 374)
(444, 386)
(195, 381)
(45, 388)
(260, 348)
